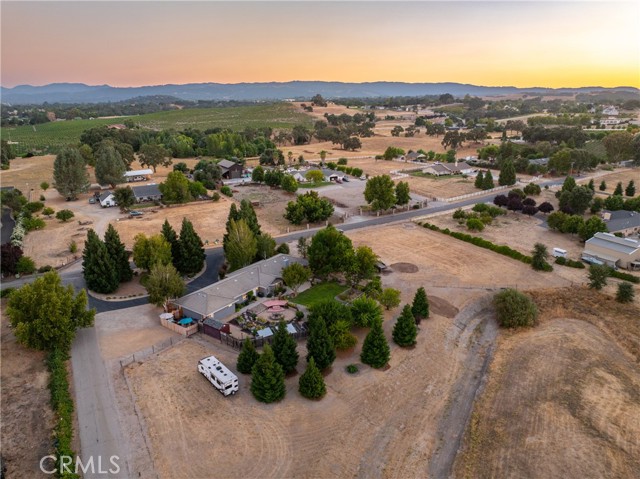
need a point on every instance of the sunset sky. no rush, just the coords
(524, 44)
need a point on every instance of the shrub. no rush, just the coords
(25, 265)
(532, 189)
(624, 276)
(45, 268)
(475, 224)
(73, 247)
(215, 196)
(561, 260)
(598, 276)
(6, 292)
(299, 315)
(31, 224)
(33, 207)
(283, 248)
(459, 214)
(352, 369)
(225, 190)
(625, 293)
(48, 211)
(64, 215)
(514, 309)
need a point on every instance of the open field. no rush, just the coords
(562, 399)
(27, 418)
(612, 178)
(193, 430)
(61, 133)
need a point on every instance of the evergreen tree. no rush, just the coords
(191, 250)
(234, 215)
(405, 331)
(247, 357)
(284, 348)
(479, 183)
(618, 190)
(267, 378)
(420, 306)
(603, 186)
(100, 273)
(625, 293)
(311, 383)
(507, 174)
(591, 185)
(488, 181)
(375, 350)
(249, 215)
(118, 254)
(319, 344)
(172, 238)
(70, 173)
(630, 190)
(539, 257)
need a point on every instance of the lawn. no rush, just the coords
(319, 292)
(50, 136)
(314, 185)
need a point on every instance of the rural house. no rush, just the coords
(614, 251)
(107, 199)
(460, 168)
(437, 169)
(414, 156)
(219, 300)
(624, 222)
(230, 169)
(147, 193)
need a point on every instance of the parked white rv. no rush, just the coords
(559, 253)
(219, 375)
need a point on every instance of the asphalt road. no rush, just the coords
(100, 434)
(7, 226)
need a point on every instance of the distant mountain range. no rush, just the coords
(81, 93)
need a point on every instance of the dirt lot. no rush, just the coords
(562, 399)
(191, 436)
(612, 178)
(27, 418)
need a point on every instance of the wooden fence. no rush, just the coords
(236, 343)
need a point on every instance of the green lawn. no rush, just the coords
(319, 292)
(314, 185)
(50, 136)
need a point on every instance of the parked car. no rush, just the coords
(92, 200)
(135, 213)
(345, 179)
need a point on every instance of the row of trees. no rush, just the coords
(105, 264)
(382, 193)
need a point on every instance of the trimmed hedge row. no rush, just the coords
(570, 263)
(482, 243)
(624, 276)
(62, 404)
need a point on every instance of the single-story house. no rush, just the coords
(230, 169)
(437, 169)
(299, 177)
(414, 156)
(214, 328)
(107, 199)
(460, 168)
(332, 175)
(610, 111)
(218, 300)
(624, 222)
(138, 175)
(147, 193)
(614, 251)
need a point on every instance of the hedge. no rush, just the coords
(62, 404)
(570, 263)
(624, 276)
(482, 243)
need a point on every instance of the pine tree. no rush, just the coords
(591, 185)
(267, 378)
(603, 186)
(191, 250)
(234, 215)
(488, 181)
(479, 183)
(118, 254)
(319, 345)
(100, 273)
(311, 383)
(247, 357)
(284, 348)
(420, 305)
(249, 215)
(405, 331)
(625, 293)
(618, 190)
(375, 349)
(630, 190)
(172, 238)
(507, 174)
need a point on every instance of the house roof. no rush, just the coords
(623, 246)
(222, 294)
(622, 220)
(105, 195)
(539, 161)
(138, 172)
(414, 154)
(438, 168)
(459, 167)
(328, 173)
(226, 164)
(146, 190)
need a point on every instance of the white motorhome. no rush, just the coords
(559, 253)
(219, 375)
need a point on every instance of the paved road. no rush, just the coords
(7, 226)
(99, 431)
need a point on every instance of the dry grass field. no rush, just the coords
(27, 418)
(195, 432)
(563, 399)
